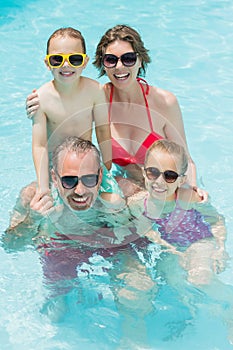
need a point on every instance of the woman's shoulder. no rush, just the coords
(107, 87)
(163, 97)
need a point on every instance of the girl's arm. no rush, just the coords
(154, 236)
(218, 229)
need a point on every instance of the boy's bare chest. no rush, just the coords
(69, 114)
(77, 108)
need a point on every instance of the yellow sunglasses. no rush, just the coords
(58, 59)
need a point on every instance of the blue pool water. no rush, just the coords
(191, 47)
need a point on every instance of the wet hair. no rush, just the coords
(125, 33)
(69, 32)
(172, 148)
(74, 144)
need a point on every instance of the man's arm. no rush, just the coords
(26, 215)
(25, 222)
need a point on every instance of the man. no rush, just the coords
(81, 233)
(76, 218)
(76, 209)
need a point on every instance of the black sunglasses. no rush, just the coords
(128, 59)
(69, 182)
(169, 176)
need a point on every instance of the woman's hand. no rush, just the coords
(204, 195)
(32, 104)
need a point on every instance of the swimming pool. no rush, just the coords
(191, 47)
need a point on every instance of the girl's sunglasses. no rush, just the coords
(57, 60)
(169, 176)
(128, 59)
(69, 182)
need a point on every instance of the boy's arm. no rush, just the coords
(102, 128)
(40, 152)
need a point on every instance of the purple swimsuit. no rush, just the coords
(181, 227)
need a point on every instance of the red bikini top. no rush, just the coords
(120, 155)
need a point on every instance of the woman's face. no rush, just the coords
(122, 76)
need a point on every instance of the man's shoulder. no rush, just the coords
(137, 197)
(136, 203)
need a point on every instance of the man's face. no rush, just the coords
(72, 163)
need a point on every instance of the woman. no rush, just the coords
(139, 114)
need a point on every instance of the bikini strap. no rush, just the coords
(145, 99)
(145, 82)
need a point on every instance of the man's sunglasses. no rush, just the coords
(69, 182)
(169, 176)
(57, 60)
(128, 59)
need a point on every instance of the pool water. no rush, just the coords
(190, 44)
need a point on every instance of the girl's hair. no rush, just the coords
(125, 33)
(70, 32)
(74, 144)
(171, 148)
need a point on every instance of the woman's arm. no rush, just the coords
(32, 104)
(174, 130)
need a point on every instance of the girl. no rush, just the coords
(180, 222)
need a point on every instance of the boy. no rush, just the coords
(68, 105)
